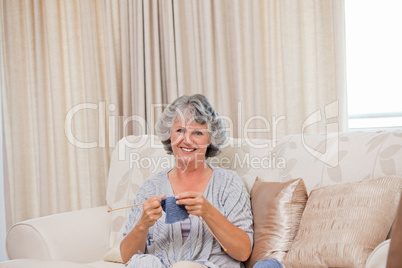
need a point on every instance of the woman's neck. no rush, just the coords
(182, 171)
(190, 179)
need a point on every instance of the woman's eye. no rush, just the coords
(198, 133)
(180, 130)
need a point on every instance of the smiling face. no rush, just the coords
(189, 141)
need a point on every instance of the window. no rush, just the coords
(374, 63)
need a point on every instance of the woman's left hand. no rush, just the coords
(195, 203)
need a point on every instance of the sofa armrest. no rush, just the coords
(79, 236)
(378, 258)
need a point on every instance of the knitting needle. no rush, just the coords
(224, 249)
(125, 207)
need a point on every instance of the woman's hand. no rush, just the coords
(195, 203)
(151, 211)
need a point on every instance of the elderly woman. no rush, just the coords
(192, 131)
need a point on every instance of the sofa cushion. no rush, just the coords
(35, 263)
(277, 211)
(343, 223)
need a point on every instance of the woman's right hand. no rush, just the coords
(136, 239)
(151, 211)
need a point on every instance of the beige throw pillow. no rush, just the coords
(343, 223)
(277, 211)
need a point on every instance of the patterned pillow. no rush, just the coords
(343, 223)
(277, 211)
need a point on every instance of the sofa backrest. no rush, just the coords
(319, 159)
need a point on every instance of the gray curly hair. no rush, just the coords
(192, 108)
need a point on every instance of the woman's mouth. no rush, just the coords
(188, 150)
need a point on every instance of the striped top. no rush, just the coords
(165, 245)
(185, 228)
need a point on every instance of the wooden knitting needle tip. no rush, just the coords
(224, 249)
(125, 207)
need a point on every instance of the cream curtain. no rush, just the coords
(266, 64)
(78, 77)
(81, 74)
(59, 56)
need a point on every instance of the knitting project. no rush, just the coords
(174, 212)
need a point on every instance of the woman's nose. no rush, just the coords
(187, 137)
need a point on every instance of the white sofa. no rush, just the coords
(83, 238)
